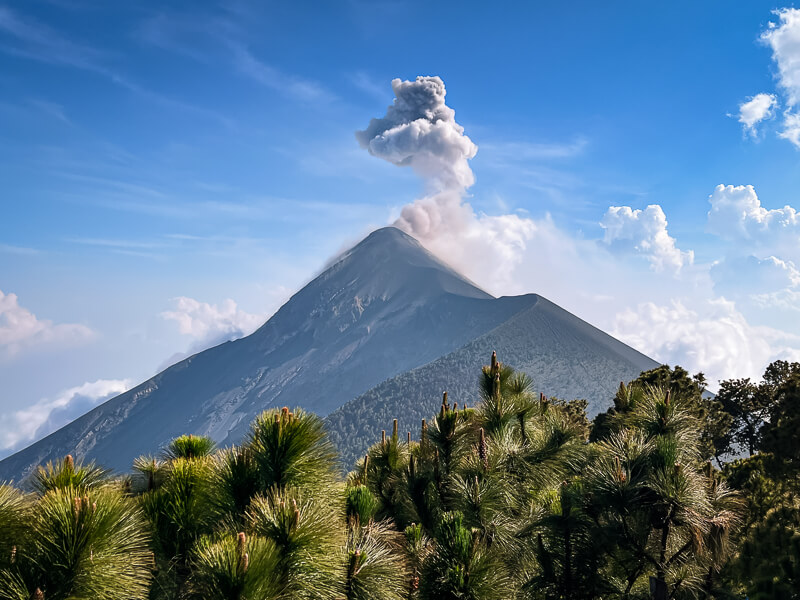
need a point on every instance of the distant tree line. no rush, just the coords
(671, 494)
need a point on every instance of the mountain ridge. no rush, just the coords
(416, 394)
(380, 310)
(383, 307)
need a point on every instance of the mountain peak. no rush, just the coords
(389, 261)
(387, 237)
(390, 232)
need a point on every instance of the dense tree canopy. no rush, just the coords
(516, 496)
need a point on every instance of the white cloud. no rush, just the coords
(784, 39)
(23, 427)
(268, 76)
(211, 324)
(646, 232)
(771, 286)
(712, 337)
(756, 109)
(791, 128)
(204, 321)
(20, 329)
(770, 274)
(737, 215)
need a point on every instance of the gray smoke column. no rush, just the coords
(420, 131)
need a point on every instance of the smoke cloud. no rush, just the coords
(420, 131)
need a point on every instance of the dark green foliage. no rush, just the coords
(14, 519)
(307, 535)
(770, 556)
(748, 406)
(510, 498)
(462, 566)
(235, 567)
(712, 420)
(148, 474)
(67, 474)
(189, 446)
(235, 480)
(779, 435)
(361, 505)
(375, 569)
(564, 540)
(291, 449)
(179, 512)
(81, 544)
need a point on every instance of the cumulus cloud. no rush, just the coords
(205, 322)
(646, 232)
(712, 337)
(23, 427)
(737, 215)
(760, 269)
(756, 109)
(20, 329)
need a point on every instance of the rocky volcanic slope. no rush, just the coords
(382, 308)
(566, 357)
(378, 335)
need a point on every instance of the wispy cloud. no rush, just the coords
(268, 76)
(127, 187)
(368, 85)
(180, 36)
(22, 330)
(52, 109)
(21, 250)
(523, 151)
(207, 37)
(783, 38)
(109, 243)
(37, 41)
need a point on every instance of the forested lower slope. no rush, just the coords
(565, 356)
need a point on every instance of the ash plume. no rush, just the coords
(420, 131)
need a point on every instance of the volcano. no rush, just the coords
(380, 333)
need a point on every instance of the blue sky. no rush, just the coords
(171, 174)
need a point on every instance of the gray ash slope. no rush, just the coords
(566, 357)
(382, 310)
(384, 307)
